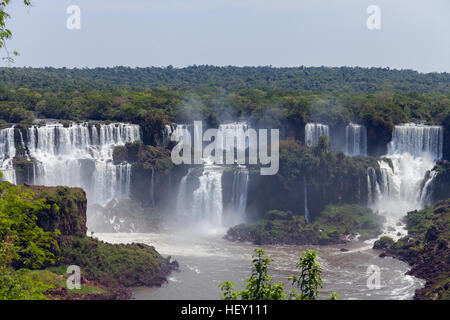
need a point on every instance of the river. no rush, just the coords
(208, 260)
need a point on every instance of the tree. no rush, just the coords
(261, 287)
(30, 245)
(310, 277)
(22, 244)
(5, 33)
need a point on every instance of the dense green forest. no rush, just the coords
(314, 79)
(284, 98)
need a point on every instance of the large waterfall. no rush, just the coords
(417, 140)
(78, 155)
(207, 206)
(404, 179)
(313, 131)
(202, 202)
(355, 140)
(81, 156)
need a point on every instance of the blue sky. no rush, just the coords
(414, 34)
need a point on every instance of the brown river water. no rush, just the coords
(208, 260)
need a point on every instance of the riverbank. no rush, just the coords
(206, 260)
(107, 271)
(426, 250)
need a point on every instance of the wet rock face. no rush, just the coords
(441, 183)
(446, 148)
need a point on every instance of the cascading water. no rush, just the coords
(80, 155)
(305, 200)
(7, 153)
(204, 204)
(404, 181)
(417, 140)
(152, 188)
(239, 192)
(355, 140)
(313, 131)
(425, 196)
(167, 132)
(373, 187)
(207, 206)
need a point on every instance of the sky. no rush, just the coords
(413, 34)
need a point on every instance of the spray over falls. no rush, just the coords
(200, 193)
(404, 181)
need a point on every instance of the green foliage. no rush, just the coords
(254, 80)
(330, 227)
(113, 265)
(260, 286)
(331, 178)
(64, 209)
(284, 98)
(22, 243)
(426, 249)
(144, 156)
(21, 285)
(310, 277)
(384, 242)
(33, 248)
(5, 33)
(349, 220)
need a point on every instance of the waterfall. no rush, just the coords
(7, 153)
(239, 193)
(182, 197)
(405, 183)
(425, 195)
(152, 188)
(313, 131)
(355, 140)
(167, 132)
(80, 155)
(305, 199)
(417, 140)
(373, 187)
(207, 206)
(204, 204)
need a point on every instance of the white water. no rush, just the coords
(152, 188)
(239, 193)
(417, 140)
(204, 204)
(77, 156)
(81, 156)
(413, 151)
(305, 199)
(7, 153)
(207, 205)
(313, 131)
(208, 260)
(355, 140)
